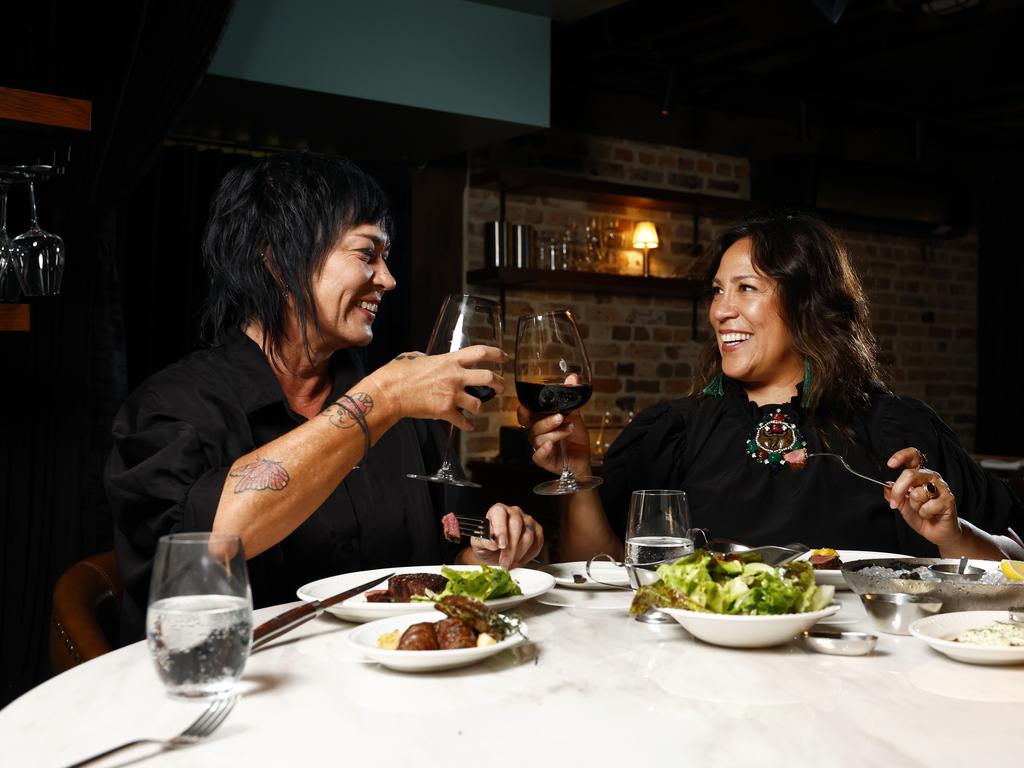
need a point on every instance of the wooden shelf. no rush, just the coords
(14, 317)
(509, 277)
(44, 109)
(541, 183)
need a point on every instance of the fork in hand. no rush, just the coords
(204, 725)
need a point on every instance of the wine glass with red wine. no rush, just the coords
(463, 321)
(553, 376)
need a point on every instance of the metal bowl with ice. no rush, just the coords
(913, 576)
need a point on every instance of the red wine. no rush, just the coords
(552, 398)
(482, 393)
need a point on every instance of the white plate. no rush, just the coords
(834, 577)
(357, 609)
(607, 572)
(939, 631)
(365, 639)
(741, 631)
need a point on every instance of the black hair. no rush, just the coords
(823, 304)
(272, 223)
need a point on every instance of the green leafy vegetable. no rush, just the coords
(740, 584)
(486, 584)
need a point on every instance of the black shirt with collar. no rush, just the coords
(178, 434)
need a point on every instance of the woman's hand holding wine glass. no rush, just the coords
(465, 357)
(553, 379)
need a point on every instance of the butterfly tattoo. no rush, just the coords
(261, 475)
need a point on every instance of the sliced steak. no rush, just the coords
(403, 586)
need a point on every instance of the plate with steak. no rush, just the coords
(399, 595)
(463, 633)
(828, 562)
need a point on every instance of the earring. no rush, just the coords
(805, 401)
(715, 387)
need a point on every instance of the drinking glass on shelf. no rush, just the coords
(12, 257)
(463, 321)
(199, 620)
(657, 532)
(44, 251)
(553, 376)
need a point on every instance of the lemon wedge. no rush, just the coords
(1013, 569)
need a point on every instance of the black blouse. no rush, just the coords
(177, 436)
(699, 445)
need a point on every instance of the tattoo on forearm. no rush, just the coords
(261, 475)
(341, 415)
(410, 356)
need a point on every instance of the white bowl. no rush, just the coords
(939, 632)
(358, 609)
(365, 639)
(744, 631)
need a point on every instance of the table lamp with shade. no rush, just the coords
(645, 236)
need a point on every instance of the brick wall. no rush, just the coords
(642, 348)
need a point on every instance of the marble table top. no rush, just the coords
(593, 687)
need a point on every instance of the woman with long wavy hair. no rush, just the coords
(790, 370)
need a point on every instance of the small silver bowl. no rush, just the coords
(893, 614)
(950, 572)
(840, 643)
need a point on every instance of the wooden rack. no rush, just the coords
(54, 114)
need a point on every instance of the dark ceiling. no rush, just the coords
(890, 80)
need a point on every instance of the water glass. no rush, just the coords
(657, 531)
(199, 620)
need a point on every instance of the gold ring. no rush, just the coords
(931, 490)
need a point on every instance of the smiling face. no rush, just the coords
(348, 289)
(753, 339)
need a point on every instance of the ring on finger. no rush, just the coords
(931, 490)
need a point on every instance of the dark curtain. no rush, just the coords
(1000, 275)
(138, 63)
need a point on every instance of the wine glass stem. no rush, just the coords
(3, 213)
(32, 202)
(567, 479)
(446, 465)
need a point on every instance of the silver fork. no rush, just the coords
(852, 471)
(474, 527)
(204, 725)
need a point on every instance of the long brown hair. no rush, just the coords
(823, 304)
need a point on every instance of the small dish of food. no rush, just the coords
(407, 591)
(463, 633)
(975, 637)
(827, 563)
(574, 575)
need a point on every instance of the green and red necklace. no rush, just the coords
(773, 438)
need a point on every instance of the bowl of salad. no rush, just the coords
(736, 600)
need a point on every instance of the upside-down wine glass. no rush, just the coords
(553, 376)
(44, 251)
(12, 257)
(464, 321)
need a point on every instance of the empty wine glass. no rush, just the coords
(553, 376)
(12, 257)
(44, 251)
(463, 322)
(657, 531)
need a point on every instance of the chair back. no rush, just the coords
(86, 612)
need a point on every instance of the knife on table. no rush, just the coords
(289, 620)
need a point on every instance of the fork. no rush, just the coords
(204, 725)
(852, 471)
(474, 527)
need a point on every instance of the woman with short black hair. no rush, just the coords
(268, 433)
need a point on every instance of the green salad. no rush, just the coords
(736, 584)
(486, 584)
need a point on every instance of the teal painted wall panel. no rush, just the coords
(449, 55)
